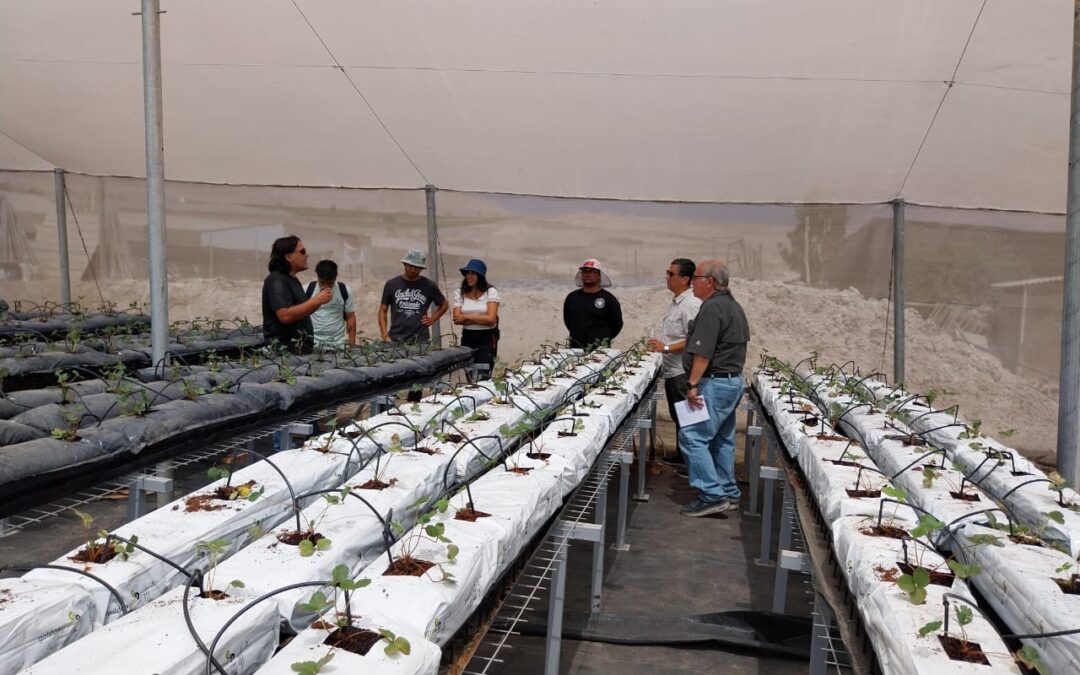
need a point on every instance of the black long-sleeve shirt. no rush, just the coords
(591, 317)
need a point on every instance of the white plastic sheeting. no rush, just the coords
(734, 101)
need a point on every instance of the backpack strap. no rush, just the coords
(344, 291)
(311, 289)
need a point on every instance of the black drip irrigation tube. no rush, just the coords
(112, 591)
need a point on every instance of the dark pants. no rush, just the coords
(485, 342)
(675, 389)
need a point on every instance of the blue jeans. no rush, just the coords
(709, 446)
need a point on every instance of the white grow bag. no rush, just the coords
(156, 640)
(1017, 581)
(423, 657)
(39, 617)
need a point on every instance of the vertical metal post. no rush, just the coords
(806, 250)
(779, 598)
(61, 235)
(433, 254)
(556, 602)
(598, 548)
(155, 180)
(642, 461)
(1068, 438)
(624, 499)
(898, 291)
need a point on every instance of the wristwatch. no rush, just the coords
(667, 348)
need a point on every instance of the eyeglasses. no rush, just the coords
(699, 276)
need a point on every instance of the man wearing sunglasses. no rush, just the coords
(713, 359)
(681, 311)
(286, 308)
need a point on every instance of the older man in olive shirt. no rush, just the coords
(713, 358)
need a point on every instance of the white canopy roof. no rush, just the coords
(718, 101)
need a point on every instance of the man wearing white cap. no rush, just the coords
(592, 314)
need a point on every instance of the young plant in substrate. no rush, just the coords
(406, 563)
(310, 541)
(190, 390)
(214, 549)
(957, 648)
(379, 480)
(342, 633)
(917, 577)
(100, 547)
(73, 416)
(1059, 484)
(230, 492)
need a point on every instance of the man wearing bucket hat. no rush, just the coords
(407, 299)
(591, 313)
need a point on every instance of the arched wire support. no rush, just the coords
(452, 464)
(1025, 484)
(933, 451)
(138, 385)
(954, 409)
(109, 587)
(211, 662)
(366, 433)
(275, 467)
(388, 537)
(153, 554)
(861, 382)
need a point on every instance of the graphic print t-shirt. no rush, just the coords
(408, 301)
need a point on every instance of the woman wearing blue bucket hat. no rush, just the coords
(476, 310)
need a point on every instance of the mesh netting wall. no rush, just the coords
(983, 288)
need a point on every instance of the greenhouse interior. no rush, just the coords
(876, 206)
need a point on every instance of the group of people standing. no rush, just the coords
(703, 337)
(323, 315)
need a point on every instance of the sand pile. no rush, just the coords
(788, 320)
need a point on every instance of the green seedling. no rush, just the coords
(214, 549)
(915, 584)
(191, 391)
(1058, 484)
(99, 541)
(972, 430)
(133, 403)
(312, 667)
(1029, 656)
(394, 643)
(73, 418)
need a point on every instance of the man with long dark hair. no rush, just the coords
(286, 309)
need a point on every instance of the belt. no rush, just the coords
(722, 375)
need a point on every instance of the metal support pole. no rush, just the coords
(1068, 437)
(625, 459)
(770, 474)
(433, 254)
(753, 434)
(1023, 328)
(898, 291)
(643, 458)
(779, 598)
(556, 602)
(61, 235)
(155, 180)
(598, 549)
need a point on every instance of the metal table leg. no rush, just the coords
(625, 460)
(598, 549)
(557, 601)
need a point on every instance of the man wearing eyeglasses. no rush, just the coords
(680, 312)
(286, 308)
(713, 358)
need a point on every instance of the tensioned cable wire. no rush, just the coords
(89, 261)
(941, 103)
(337, 65)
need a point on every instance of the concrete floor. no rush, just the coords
(676, 566)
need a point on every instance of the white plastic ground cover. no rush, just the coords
(571, 456)
(156, 640)
(356, 534)
(997, 477)
(39, 617)
(1017, 581)
(892, 621)
(483, 439)
(173, 532)
(423, 657)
